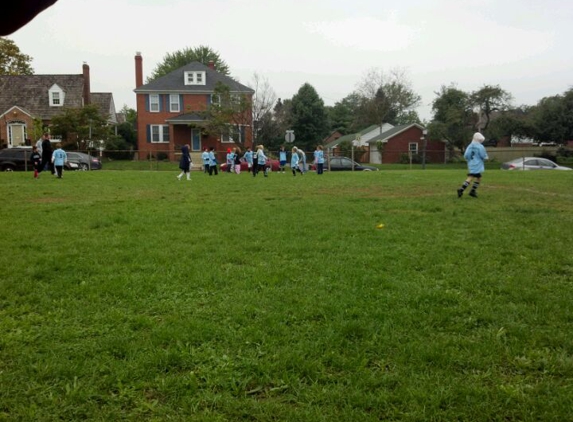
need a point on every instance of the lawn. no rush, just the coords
(129, 295)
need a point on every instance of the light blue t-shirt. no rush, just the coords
(475, 155)
(319, 156)
(59, 156)
(249, 157)
(294, 159)
(282, 156)
(261, 157)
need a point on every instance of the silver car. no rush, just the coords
(532, 163)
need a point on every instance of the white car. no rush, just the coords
(532, 163)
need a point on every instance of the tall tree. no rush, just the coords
(385, 96)
(264, 99)
(79, 126)
(180, 58)
(12, 60)
(553, 118)
(453, 117)
(342, 116)
(487, 100)
(227, 114)
(309, 119)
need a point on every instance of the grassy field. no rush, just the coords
(129, 295)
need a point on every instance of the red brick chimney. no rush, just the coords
(138, 70)
(211, 65)
(87, 88)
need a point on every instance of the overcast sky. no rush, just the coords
(522, 45)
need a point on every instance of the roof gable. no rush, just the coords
(31, 92)
(385, 136)
(175, 81)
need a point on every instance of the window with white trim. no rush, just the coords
(195, 78)
(174, 106)
(215, 99)
(236, 134)
(154, 103)
(159, 134)
(56, 96)
(413, 147)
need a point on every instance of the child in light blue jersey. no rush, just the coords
(205, 159)
(475, 155)
(294, 161)
(248, 156)
(282, 159)
(319, 159)
(59, 158)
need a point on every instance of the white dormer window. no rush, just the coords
(195, 78)
(56, 96)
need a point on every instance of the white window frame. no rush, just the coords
(154, 103)
(162, 133)
(227, 138)
(56, 96)
(174, 105)
(215, 99)
(195, 78)
(413, 150)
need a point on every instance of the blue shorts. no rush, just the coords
(282, 163)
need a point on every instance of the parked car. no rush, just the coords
(490, 143)
(532, 163)
(548, 144)
(83, 162)
(274, 164)
(18, 159)
(344, 164)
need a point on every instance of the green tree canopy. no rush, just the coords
(487, 100)
(553, 118)
(384, 97)
(226, 114)
(309, 118)
(180, 58)
(12, 60)
(453, 117)
(78, 126)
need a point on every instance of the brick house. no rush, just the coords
(169, 112)
(359, 141)
(25, 99)
(399, 141)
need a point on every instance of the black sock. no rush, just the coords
(465, 185)
(475, 186)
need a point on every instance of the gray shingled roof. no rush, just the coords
(174, 81)
(350, 137)
(105, 104)
(393, 132)
(30, 92)
(187, 118)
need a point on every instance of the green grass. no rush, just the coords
(127, 295)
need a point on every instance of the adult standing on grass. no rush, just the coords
(319, 159)
(47, 153)
(185, 163)
(59, 158)
(212, 162)
(475, 155)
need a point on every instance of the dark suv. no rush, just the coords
(12, 159)
(18, 159)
